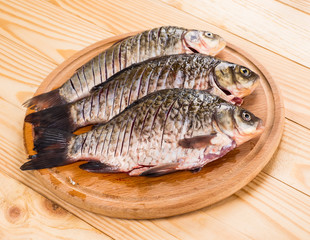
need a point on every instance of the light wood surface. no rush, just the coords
(119, 195)
(36, 36)
(26, 212)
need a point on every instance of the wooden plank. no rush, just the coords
(258, 211)
(256, 216)
(22, 71)
(12, 154)
(12, 149)
(291, 30)
(295, 111)
(51, 31)
(24, 78)
(301, 5)
(291, 164)
(264, 204)
(28, 215)
(21, 64)
(291, 76)
(256, 21)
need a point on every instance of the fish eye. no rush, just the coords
(245, 72)
(209, 34)
(246, 116)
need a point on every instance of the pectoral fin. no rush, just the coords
(160, 170)
(98, 167)
(196, 170)
(197, 141)
(220, 146)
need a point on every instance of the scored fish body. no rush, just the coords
(193, 71)
(152, 43)
(165, 131)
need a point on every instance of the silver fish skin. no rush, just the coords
(163, 132)
(148, 44)
(193, 71)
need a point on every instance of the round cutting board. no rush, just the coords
(122, 196)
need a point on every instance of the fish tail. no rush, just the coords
(52, 148)
(45, 100)
(56, 117)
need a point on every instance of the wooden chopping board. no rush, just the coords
(122, 196)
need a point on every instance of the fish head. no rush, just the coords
(238, 123)
(247, 125)
(234, 81)
(203, 42)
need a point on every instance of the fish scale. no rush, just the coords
(126, 85)
(193, 71)
(153, 126)
(165, 131)
(151, 134)
(142, 46)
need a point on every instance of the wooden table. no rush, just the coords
(36, 36)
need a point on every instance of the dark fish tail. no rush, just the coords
(56, 117)
(52, 148)
(45, 100)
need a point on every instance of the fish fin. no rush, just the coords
(97, 87)
(138, 171)
(212, 153)
(50, 138)
(160, 170)
(98, 167)
(56, 117)
(47, 159)
(196, 170)
(45, 100)
(52, 148)
(114, 76)
(196, 142)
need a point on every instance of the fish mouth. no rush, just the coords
(240, 139)
(224, 90)
(192, 49)
(236, 100)
(260, 127)
(187, 46)
(221, 46)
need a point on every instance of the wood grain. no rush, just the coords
(241, 216)
(290, 76)
(257, 211)
(56, 32)
(12, 54)
(301, 5)
(292, 34)
(248, 213)
(226, 216)
(294, 168)
(235, 18)
(25, 213)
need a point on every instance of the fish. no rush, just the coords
(228, 80)
(166, 131)
(156, 42)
